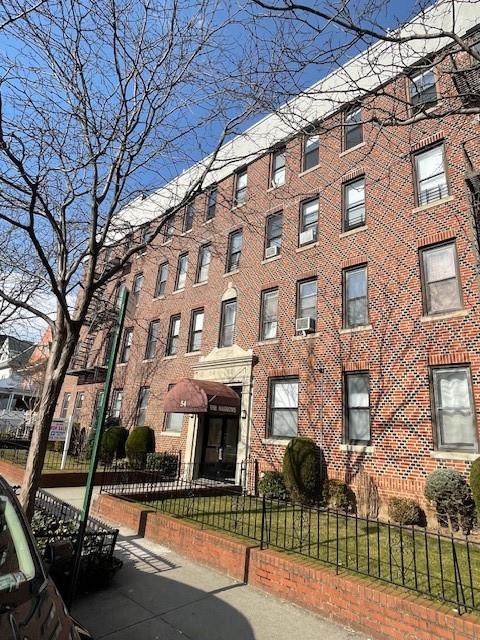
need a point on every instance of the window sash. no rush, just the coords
(274, 230)
(161, 283)
(227, 327)
(65, 403)
(307, 299)
(353, 128)
(311, 151)
(196, 330)
(173, 333)
(241, 183)
(309, 215)
(126, 345)
(354, 194)
(211, 204)
(204, 258)
(169, 228)
(117, 399)
(357, 408)
(283, 409)
(234, 250)
(278, 167)
(137, 284)
(269, 322)
(441, 280)
(356, 297)
(431, 175)
(454, 409)
(423, 91)
(188, 217)
(152, 339)
(182, 271)
(142, 405)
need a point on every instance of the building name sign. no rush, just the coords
(223, 408)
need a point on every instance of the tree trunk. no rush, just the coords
(62, 349)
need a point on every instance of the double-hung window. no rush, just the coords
(182, 269)
(188, 216)
(169, 228)
(196, 330)
(173, 336)
(116, 405)
(283, 407)
(152, 339)
(307, 299)
(142, 404)
(173, 421)
(203, 266)
(352, 128)
(273, 235)
(65, 402)
(211, 203)
(137, 285)
(235, 242)
(357, 408)
(161, 282)
(241, 179)
(354, 204)
(454, 409)
(355, 288)
(311, 151)
(126, 345)
(277, 176)
(227, 323)
(107, 349)
(145, 236)
(308, 222)
(431, 176)
(423, 92)
(77, 408)
(269, 315)
(441, 283)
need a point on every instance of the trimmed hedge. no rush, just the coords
(272, 486)
(338, 495)
(302, 470)
(113, 443)
(404, 511)
(449, 492)
(475, 483)
(139, 443)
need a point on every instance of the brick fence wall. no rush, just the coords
(378, 609)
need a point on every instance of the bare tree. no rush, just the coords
(98, 100)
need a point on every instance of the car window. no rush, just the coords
(17, 564)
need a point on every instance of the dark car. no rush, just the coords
(30, 605)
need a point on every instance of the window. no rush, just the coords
(423, 93)
(79, 398)
(137, 285)
(283, 407)
(204, 257)
(66, 401)
(240, 187)
(188, 216)
(269, 315)
(277, 177)
(308, 222)
(227, 323)
(126, 345)
(311, 151)
(211, 204)
(107, 350)
(273, 235)
(152, 339)
(307, 299)
(454, 410)
(196, 330)
(431, 178)
(116, 406)
(235, 241)
(169, 228)
(357, 408)
(355, 297)
(96, 407)
(182, 269)
(145, 235)
(353, 130)
(354, 204)
(475, 47)
(142, 404)
(441, 284)
(173, 333)
(173, 421)
(161, 282)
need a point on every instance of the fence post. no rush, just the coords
(264, 522)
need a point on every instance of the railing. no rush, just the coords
(16, 451)
(443, 567)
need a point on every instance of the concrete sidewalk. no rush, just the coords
(158, 595)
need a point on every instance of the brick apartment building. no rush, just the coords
(331, 284)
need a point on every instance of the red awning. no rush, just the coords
(201, 396)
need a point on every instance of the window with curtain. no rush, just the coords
(431, 177)
(440, 279)
(311, 151)
(269, 315)
(354, 204)
(357, 408)
(227, 323)
(454, 409)
(283, 407)
(355, 287)
(204, 259)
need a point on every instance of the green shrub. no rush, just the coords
(404, 511)
(337, 495)
(448, 491)
(272, 485)
(475, 483)
(164, 464)
(113, 443)
(302, 470)
(139, 444)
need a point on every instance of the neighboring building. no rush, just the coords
(18, 390)
(332, 283)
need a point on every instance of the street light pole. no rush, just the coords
(99, 425)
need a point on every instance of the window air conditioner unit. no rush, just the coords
(272, 251)
(308, 236)
(305, 325)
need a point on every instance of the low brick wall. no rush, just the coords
(11, 472)
(368, 605)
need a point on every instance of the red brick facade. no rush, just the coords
(398, 347)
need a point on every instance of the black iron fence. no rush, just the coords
(16, 451)
(431, 563)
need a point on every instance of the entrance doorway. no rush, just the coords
(219, 448)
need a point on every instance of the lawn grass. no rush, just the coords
(443, 567)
